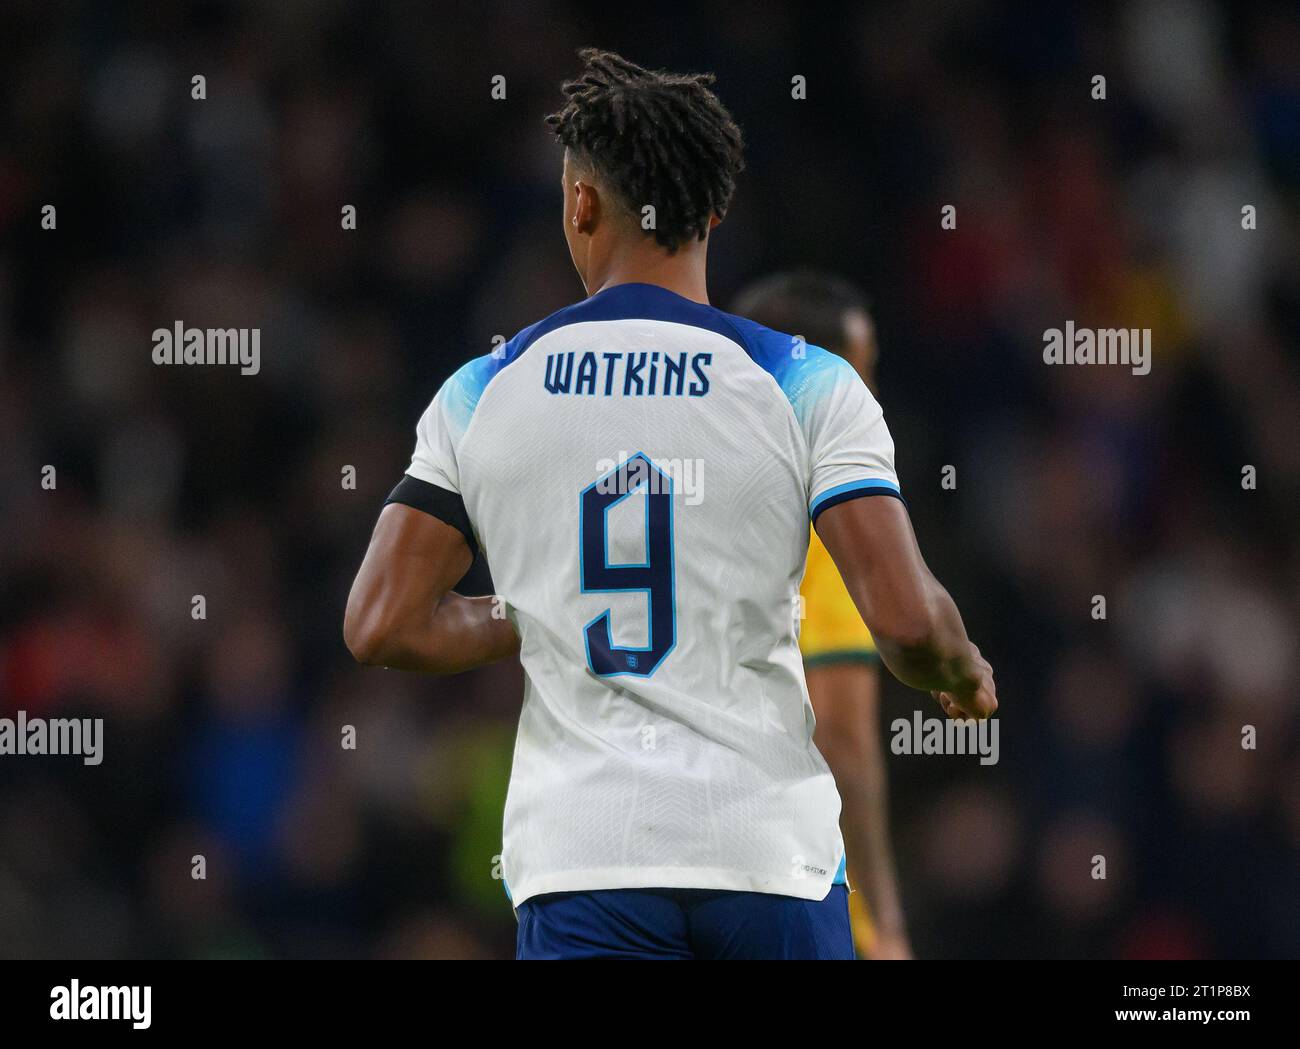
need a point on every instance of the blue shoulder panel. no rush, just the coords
(803, 372)
(465, 388)
(645, 301)
(620, 302)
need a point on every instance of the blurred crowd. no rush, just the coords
(1121, 737)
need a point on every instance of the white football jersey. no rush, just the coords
(640, 471)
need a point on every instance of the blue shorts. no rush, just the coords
(706, 924)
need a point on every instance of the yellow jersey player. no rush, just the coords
(840, 658)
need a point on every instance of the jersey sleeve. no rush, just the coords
(851, 451)
(436, 438)
(432, 481)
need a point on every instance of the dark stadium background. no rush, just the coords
(1119, 738)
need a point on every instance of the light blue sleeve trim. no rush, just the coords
(851, 486)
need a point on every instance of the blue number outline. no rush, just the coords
(648, 591)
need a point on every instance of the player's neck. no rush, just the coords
(682, 272)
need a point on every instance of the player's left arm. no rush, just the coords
(401, 611)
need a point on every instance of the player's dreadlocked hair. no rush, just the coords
(660, 138)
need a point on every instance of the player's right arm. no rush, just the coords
(916, 625)
(858, 511)
(401, 611)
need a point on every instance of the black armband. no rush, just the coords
(446, 506)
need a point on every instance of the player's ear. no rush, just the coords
(586, 210)
(715, 220)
